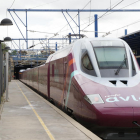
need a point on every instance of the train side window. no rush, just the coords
(133, 67)
(86, 62)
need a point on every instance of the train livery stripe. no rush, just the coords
(39, 118)
(69, 64)
(72, 74)
(71, 61)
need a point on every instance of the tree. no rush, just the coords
(14, 52)
(3, 45)
(22, 52)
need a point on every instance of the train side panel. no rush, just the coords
(27, 77)
(57, 76)
(31, 77)
(35, 78)
(42, 79)
(56, 79)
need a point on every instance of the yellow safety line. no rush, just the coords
(39, 118)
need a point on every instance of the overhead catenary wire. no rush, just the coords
(40, 32)
(104, 14)
(123, 27)
(88, 17)
(13, 45)
(102, 17)
(73, 17)
(64, 26)
(107, 8)
(123, 7)
(87, 23)
(12, 4)
(44, 4)
(6, 14)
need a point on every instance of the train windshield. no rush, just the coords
(111, 57)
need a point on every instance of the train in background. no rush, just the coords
(95, 79)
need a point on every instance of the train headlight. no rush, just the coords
(94, 99)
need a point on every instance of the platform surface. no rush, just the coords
(27, 116)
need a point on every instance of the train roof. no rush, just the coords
(64, 51)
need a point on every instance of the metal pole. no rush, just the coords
(96, 25)
(7, 58)
(4, 73)
(10, 69)
(69, 38)
(20, 49)
(56, 46)
(17, 57)
(0, 72)
(125, 31)
(74, 10)
(79, 22)
(26, 31)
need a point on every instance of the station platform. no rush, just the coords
(28, 116)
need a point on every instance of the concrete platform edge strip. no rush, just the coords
(84, 130)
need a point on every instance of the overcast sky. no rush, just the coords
(54, 22)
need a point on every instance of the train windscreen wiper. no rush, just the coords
(120, 67)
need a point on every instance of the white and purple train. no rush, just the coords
(95, 79)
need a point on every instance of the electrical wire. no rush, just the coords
(44, 4)
(121, 8)
(81, 24)
(88, 17)
(124, 7)
(13, 45)
(40, 32)
(6, 14)
(125, 26)
(93, 17)
(42, 44)
(104, 14)
(73, 17)
(112, 13)
(12, 4)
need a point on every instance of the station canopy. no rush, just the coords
(133, 40)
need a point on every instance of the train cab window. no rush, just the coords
(86, 62)
(87, 65)
(111, 57)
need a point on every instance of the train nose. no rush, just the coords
(136, 118)
(119, 116)
(116, 117)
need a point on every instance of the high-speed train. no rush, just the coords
(97, 80)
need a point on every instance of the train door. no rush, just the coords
(48, 79)
(65, 71)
